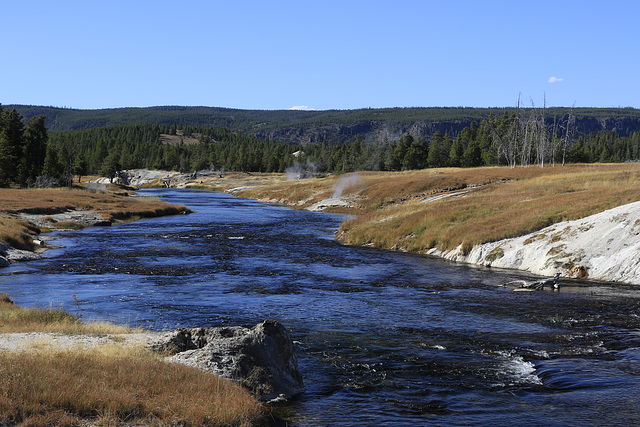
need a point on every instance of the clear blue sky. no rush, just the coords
(319, 54)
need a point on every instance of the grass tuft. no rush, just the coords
(14, 318)
(108, 388)
(107, 384)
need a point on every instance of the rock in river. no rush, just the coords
(261, 358)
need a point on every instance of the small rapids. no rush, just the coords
(383, 338)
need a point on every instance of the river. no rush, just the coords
(383, 338)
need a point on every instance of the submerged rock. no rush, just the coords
(261, 358)
(19, 255)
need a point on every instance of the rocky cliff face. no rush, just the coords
(604, 246)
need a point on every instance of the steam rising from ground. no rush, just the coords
(299, 170)
(97, 187)
(345, 182)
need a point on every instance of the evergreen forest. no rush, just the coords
(30, 155)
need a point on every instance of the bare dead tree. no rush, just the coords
(568, 134)
(554, 142)
(542, 137)
(525, 156)
(516, 137)
(532, 128)
(505, 141)
(506, 138)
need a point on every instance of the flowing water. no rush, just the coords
(383, 338)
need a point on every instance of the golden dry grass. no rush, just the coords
(107, 384)
(19, 233)
(72, 387)
(14, 318)
(499, 202)
(49, 201)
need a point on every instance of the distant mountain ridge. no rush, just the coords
(301, 126)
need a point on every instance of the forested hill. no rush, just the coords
(303, 127)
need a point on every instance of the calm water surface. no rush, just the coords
(384, 338)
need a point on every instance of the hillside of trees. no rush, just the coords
(109, 149)
(31, 154)
(307, 127)
(512, 139)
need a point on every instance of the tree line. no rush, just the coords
(107, 150)
(22, 148)
(515, 139)
(31, 156)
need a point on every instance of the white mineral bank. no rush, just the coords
(606, 244)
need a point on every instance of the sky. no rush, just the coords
(345, 54)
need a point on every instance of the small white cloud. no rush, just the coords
(302, 107)
(555, 79)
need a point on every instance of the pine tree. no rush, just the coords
(435, 157)
(52, 167)
(11, 146)
(473, 155)
(416, 157)
(110, 166)
(66, 159)
(456, 154)
(80, 167)
(34, 151)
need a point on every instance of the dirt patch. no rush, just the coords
(31, 340)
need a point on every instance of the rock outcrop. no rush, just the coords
(261, 358)
(604, 246)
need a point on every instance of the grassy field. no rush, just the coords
(107, 385)
(112, 205)
(398, 210)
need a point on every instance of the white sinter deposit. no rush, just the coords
(604, 246)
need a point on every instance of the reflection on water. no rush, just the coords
(383, 338)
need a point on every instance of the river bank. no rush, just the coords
(382, 337)
(580, 221)
(112, 375)
(603, 247)
(494, 216)
(25, 214)
(577, 220)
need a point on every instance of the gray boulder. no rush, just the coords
(261, 358)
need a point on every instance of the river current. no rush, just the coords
(383, 338)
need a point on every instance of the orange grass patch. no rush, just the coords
(14, 318)
(106, 385)
(513, 203)
(49, 201)
(490, 203)
(19, 233)
(72, 387)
